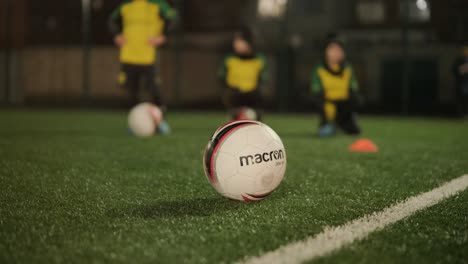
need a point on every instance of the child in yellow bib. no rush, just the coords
(335, 84)
(139, 29)
(242, 73)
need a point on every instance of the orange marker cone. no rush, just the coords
(363, 145)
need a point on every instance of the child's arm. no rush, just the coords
(355, 97)
(222, 71)
(316, 88)
(263, 74)
(115, 26)
(223, 86)
(315, 82)
(354, 85)
(168, 14)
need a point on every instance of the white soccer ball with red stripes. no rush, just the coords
(143, 119)
(245, 160)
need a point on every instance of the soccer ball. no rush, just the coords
(245, 160)
(143, 119)
(246, 113)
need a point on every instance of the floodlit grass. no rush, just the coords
(75, 186)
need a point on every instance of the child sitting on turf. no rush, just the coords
(242, 73)
(335, 84)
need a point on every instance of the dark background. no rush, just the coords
(55, 52)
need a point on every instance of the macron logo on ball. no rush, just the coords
(261, 157)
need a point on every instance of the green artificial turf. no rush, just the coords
(76, 187)
(436, 235)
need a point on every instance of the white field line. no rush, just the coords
(334, 238)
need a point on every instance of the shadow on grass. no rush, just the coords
(182, 208)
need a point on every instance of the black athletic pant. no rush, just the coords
(133, 76)
(344, 118)
(236, 99)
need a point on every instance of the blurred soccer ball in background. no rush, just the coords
(245, 160)
(144, 119)
(246, 113)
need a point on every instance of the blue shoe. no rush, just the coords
(164, 128)
(327, 130)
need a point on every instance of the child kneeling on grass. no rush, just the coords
(335, 85)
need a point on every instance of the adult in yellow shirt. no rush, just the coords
(334, 82)
(139, 27)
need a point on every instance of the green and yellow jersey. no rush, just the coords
(139, 21)
(334, 85)
(243, 74)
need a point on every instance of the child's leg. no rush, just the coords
(346, 119)
(230, 98)
(129, 80)
(254, 100)
(233, 101)
(152, 85)
(327, 119)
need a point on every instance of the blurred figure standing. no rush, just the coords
(139, 28)
(242, 73)
(460, 71)
(334, 83)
